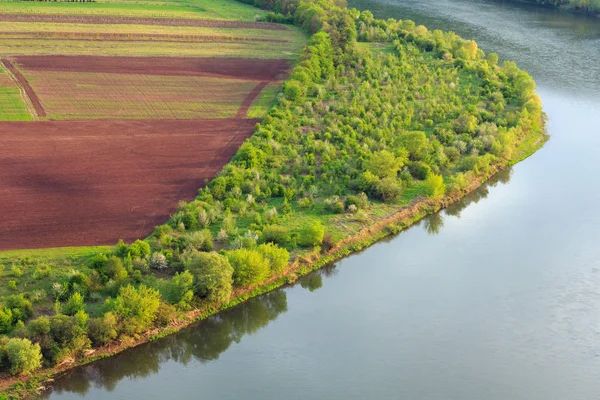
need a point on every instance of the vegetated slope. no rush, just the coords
(357, 137)
(591, 6)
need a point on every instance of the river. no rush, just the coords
(496, 298)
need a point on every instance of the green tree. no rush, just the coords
(213, 275)
(23, 356)
(74, 304)
(384, 164)
(278, 258)
(249, 267)
(103, 330)
(434, 185)
(135, 309)
(6, 320)
(313, 235)
(179, 290)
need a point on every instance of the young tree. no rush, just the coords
(212, 275)
(313, 235)
(249, 267)
(23, 356)
(277, 257)
(179, 290)
(74, 304)
(135, 309)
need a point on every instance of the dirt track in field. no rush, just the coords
(239, 68)
(70, 183)
(249, 99)
(133, 37)
(22, 82)
(100, 19)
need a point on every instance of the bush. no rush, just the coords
(419, 170)
(74, 304)
(249, 267)
(201, 240)
(102, 330)
(114, 269)
(275, 234)
(213, 276)
(6, 320)
(434, 186)
(313, 235)
(293, 91)
(21, 308)
(165, 315)
(278, 258)
(178, 290)
(389, 190)
(135, 309)
(23, 356)
(69, 336)
(158, 261)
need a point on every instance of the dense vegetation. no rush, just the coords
(377, 114)
(585, 5)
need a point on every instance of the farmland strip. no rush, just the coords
(134, 37)
(249, 99)
(22, 82)
(239, 68)
(93, 19)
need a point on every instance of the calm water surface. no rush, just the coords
(497, 298)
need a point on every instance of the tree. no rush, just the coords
(21, 308)
(278, 258)
(6, 320)
(434, 185)
(74, 304)
(313, 235)
(212, 275)
(135, 309)
(249, 267)
(384, 164)
(293, 91)
(103, 330)
(23, 356)
(179, 290)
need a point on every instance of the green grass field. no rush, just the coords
(205, 9)
(12, 107)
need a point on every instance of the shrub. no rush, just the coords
(434, 186)
(178, 290)
(165, 314)
(275, 234)
(212, 275)
(135, 309)
(388, 190)
(74, 304)
(114, 269)
(6, 320)
(158, 261)
(419, 170)
(249, 267)
(313, 235)
(69, 336)
(293, 91)
(102, 330)
(21, 308)
(278, 258)
(23, 356)
(200, 240)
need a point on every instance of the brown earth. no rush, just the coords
(100, 19)
(133, 37)
(22, 82)
(71, 183)
(250, 99)
(240, 68)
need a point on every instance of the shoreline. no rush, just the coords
(301, 265)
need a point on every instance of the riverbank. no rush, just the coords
(14, 388)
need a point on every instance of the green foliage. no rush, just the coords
(6, 320)
(250, 267)
(135, 309)
(213, 276)
(21, 308)
(179, 290)
(103, 330)
(293, 91)
(278, 258)
(275, 234)
(384, 164)
(313, 235)
(434, 186)
(23, 356)
(74, 304)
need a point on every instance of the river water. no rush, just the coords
(497, 298)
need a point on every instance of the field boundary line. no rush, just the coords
(243, 110)
(32, 102)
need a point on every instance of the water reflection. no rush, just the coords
(435, 222)
(204, 342)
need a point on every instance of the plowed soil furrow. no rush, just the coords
(240, 68)
(136, 37)
(22, 82)
(71, 183)
(249, 99)
(111, 19)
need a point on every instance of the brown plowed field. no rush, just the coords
(133, 37)
(69, 183)
(240, 68)
(111, 19)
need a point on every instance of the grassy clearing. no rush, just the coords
(12, 107)
(263, 103)
(211, 9)
(84, 95)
